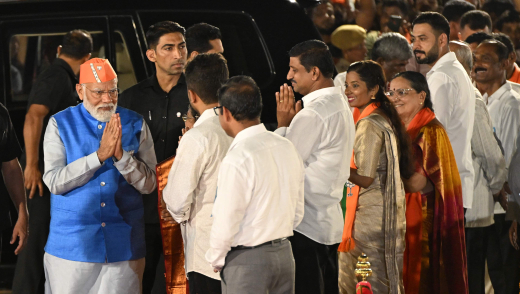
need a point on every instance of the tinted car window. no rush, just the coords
(31, 54)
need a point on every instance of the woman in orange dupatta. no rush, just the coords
(375, 214)
(435, 255)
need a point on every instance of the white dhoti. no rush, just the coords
(66, 276)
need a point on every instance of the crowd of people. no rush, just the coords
(404, 147)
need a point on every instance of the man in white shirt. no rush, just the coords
(259, 199)
(323, 133)
(503, 104)
(490, 176)
(451, 91)
(192, 182)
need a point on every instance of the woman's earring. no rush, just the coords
(420, 103)
(373, 98)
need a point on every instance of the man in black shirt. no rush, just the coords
(53, 91)
(12, 172)
(161, 100)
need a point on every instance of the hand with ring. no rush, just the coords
(286, 106)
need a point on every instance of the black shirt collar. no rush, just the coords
(154, 83)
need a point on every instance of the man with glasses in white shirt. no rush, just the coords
(323, 133)
(259, 198)
(192, 181)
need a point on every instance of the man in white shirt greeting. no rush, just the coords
(323, 133)
(259, 198)
(192, 182)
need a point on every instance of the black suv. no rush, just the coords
(256, 37)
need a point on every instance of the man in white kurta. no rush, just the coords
(192, 182)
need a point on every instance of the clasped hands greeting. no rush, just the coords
(111, 140)
(286, 106)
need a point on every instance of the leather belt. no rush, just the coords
(273, 242)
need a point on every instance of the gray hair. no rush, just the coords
(391, 46)
(463, 53)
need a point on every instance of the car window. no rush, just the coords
(31, 54)
(123, 64)
(244, 46)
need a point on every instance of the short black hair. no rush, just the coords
(205, 74)
(314, 53)
(476, 20)
(76, 44)
(478, 38)
(242, 97)
(507, 17)
(156, 31)
(500, 49)
(199, 35)
(455, 9)
(402, 5)
(506, 41)
(438, 23)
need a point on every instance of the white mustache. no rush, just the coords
(111, 105)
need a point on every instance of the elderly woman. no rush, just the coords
(375, 213)
(435, 257)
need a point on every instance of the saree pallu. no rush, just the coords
(379, 226)
(435, 257)
(173, 246)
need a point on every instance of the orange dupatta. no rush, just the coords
(347, 243)
(414, 217)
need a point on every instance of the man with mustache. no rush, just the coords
(451, 90)
(161, 100)
(99, 159)
(503, 104)
(490, 176)
(323, 133)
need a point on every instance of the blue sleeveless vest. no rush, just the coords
(103, 220)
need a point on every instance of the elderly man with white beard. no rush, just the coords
(99, 159)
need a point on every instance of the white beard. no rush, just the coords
(100, 115)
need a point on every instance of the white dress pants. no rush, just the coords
(75, 277)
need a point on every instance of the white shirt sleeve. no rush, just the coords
(139, 169)
(442, 95)
(300, 202)
(234, 192)
(510, 123)
(60, 177)
(183, 178)
(303, 132)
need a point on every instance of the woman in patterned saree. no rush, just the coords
(375, 214)
(435, 256)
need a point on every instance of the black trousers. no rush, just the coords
(316, 266)
(201, 284)
(154, 281)
(29, 276)
(502, 257)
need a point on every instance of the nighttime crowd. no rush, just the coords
(404, 147)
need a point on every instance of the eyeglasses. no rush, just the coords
(98, 94)
(215, 109)
(186, 117)
(397, 93)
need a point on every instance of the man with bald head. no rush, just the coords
(490, 175)
(99, 159)
(503, 104)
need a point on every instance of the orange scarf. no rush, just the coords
(421, 119)
(347, 243)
